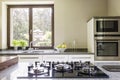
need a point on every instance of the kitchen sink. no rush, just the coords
(35, 51)
(39, 51)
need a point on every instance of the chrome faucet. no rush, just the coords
(30, 45)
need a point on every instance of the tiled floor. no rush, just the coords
(12, 72)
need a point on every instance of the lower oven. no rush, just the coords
(107, 48)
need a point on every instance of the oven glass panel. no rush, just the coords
(107, 48)
(107, 26)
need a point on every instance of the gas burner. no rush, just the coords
(62, 66)
(92, 70)
(39, 69)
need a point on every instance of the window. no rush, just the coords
(31, 23)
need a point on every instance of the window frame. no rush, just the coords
(30, 23)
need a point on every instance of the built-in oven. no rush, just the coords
(107, 26)
(107, 48)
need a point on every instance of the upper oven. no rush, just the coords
(107, 26)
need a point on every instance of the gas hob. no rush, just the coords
(76, 69)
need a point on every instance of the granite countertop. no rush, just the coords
(40, 52)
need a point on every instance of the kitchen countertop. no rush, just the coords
(12, 72)
(40, 52)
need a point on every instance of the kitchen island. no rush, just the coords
(13, 72)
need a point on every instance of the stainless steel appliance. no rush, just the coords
(107, 48)
(104, 38)
(107, 26)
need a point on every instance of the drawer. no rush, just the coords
(29, 58)
(55, 58)
(82, 58)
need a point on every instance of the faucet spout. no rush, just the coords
(30, 45)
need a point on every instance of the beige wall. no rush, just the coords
(71, 17)
(114, 7)
(70, 20)
(0, 24)
(4, 26)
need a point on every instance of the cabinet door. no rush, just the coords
(60, 58)
(82, 58)
(29, 58)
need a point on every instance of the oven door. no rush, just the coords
(107, 48)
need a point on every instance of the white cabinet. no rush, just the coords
(29, 58)
(82, 58)
(60, 58)
(90, 36)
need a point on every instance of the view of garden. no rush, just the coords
(40, 28)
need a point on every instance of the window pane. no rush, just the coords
(42, 27)
(19, 24)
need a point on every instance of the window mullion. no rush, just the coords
(8, 27)
(52, 26)
(30, 24)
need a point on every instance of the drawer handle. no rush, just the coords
(81, 57)
(28, 57)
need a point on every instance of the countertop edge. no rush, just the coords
(62, 53)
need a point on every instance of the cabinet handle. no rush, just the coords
(81, 57)
(29, 57)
